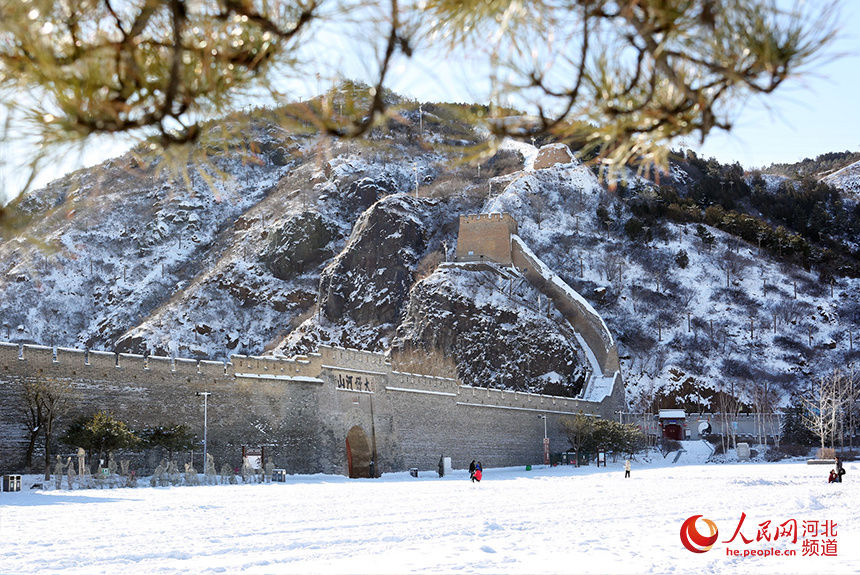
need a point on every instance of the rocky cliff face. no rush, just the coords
(495, 334)
(363, 290)
(484, 319)
(367, 282)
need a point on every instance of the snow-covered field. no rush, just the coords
(556, 520)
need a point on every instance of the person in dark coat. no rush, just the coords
(840, 471)
(472, 470)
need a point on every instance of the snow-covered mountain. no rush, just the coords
(233, 254)
(846, 179)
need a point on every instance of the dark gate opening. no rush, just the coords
(358, 453)
(673, 431)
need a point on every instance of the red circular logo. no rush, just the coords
(695, 541)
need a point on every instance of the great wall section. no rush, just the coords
(303, 409)
(336, 410)
(493, 239)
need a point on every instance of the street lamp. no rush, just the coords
(545, 441)
(205, 395)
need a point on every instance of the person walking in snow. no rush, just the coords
(627, 468)
(840, 471)
(472, 470)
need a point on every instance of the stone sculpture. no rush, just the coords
(209, 470)
(70, 473)
(157, 478)
(247, 472)
(270, 469)
(173, 473)
(190, 475)
(58, 473)
(226, 472)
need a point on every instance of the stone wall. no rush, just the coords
(585, 320)
(494, 237)
(300, 409)
(485, 237)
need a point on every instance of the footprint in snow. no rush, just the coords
(487, 549)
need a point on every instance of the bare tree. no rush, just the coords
(46, 400)
(579, 430)
(31, 410)
(763, 405)
(610, 264)
(730, 407)
(828, 404)
(538, 205)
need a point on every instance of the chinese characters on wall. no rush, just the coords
(354, 382)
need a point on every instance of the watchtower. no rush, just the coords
(484, 237)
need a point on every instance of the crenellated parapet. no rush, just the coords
(579, 313)
(493, 237)
(359, 359)
(524, 401)
(406, 382)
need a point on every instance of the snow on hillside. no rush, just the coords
(528, 151)
(240, 305)
(125, 258)
(772, 182)
(846, 179)
(86, 277)
(728, 320)
(548, 520)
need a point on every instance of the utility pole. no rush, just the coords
(545, 441)
(205, 395)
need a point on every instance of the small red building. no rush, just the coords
(673, 423)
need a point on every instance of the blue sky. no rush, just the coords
(808, 116)
(817, 114)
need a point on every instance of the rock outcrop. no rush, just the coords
(301, 241)
(496, 327)
(368, 281)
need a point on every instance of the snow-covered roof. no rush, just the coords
(672, 414)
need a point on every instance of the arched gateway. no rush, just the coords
(358, 453)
